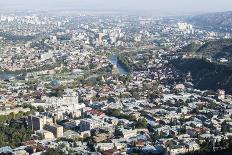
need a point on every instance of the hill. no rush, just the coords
(206, 75)
(221, 21)
(215, 49)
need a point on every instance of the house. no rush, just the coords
(89, 124)
(6, 150)
(104, 146)
(128, 133)
(176, 150)
(44, 134)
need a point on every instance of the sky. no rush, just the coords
(159, 6)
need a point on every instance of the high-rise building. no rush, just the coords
(37, 122)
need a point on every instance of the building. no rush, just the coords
(100, 38)
(221, 94)
(89, 124)
(8, 111)
(57, 130)
(37, 122)
(67, 101)
(185, 27)
(128, 133)
(44, 134)
(176, 150)
(46, 56)
(179, 149)
(179, 87)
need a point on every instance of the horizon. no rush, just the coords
(156, 7)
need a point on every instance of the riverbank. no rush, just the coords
(113, 58)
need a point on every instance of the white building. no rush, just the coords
(89, 124)
(185, 27)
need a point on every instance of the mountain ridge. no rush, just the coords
(221, 21)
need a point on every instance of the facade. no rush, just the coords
(89, 124)
(37, 122)
(128, 133)
(70, 101)
(57, 130)
(44, 134)
(221, 94)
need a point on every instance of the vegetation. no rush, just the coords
(38, 68)
(14, 129)
(206, 75)
(193, 47)
(125, 62)
(12, 37)
(140, 123)
(32, 108)
(57, 92)
(224, 147)
(13, 133)
(117, 113)
(215, 49)
(5, 118)
(51, 151)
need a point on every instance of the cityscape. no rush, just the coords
(92, 82)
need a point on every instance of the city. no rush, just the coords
(86, 82)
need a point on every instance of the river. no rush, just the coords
(114, 60)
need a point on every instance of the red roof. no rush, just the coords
(30, 142)
(109, 152)
(95, 112)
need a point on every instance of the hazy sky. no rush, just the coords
(151, 5)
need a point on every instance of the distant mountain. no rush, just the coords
(212, 49)
(221, 21)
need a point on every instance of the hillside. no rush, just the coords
(206, 75)
(191, 48)
(213, 49)
(221, 21)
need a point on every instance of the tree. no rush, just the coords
(141, 123)
(116, 112)
(135, 94)
(40, 109)
(52, 152)
(132, 117)
(213, 105)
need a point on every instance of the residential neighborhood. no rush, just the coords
(96, 84)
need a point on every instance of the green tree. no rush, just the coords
(141, 123)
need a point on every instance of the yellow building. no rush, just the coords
(44, 134)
